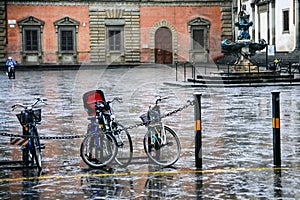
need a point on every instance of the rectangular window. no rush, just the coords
(67, 43)
(31, 40)
(198, 39)
(286, 21)
(114, 40)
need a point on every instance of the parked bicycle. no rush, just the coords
(107, 140)
(161, 143)
(29, 118)
(285, 67)
(276, 65)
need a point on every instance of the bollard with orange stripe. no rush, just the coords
(276, 128)
(275, 122)
(198, 134)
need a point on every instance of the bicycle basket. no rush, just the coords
(154, 114)
(22, 118)
(30, 116)
(37, 115)
(89, 100)
(144, 118)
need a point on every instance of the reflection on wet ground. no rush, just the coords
(236, 129)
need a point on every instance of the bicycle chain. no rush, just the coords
(189, 103)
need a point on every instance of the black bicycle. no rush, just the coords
(161, 143)
(107, 140)
(29, 118)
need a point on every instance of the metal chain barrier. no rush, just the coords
(43, 137)
(7, 122)
(189, 103)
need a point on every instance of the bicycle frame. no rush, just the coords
(155, 125)
(95, 130)
(106, 119)
(95, 127)
(158, 130)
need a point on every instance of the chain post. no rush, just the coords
(276, 128)
(198, 132)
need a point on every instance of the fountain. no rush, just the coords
(244, 69)
(243, 48)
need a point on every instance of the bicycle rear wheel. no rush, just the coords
(98, 150)
(164, 152)
(125, 149)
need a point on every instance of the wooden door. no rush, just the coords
(163, 46)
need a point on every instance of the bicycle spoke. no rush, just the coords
(162, 151)
(98, 150)
(125, 150)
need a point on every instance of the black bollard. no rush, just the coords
(176, 67)
(276, 128)
(290, 71)
(198, 134)
(184, 72)
(193, 72)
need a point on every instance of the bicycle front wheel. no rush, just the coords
(98, 150)
(125, 149)
(26, 151)
(162, 146)
(37, 149)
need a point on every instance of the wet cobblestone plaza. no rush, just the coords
(236, 135)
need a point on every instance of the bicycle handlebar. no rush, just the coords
(118, 99)
(37, 100)
(160, 99)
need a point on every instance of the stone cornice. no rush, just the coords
(49, 3)
(124, 2)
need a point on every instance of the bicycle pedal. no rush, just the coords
(23, 147)
(120, 144)
(169, 143)
(151, 145)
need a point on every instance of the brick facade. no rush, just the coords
(138, 22)
(176, 18)
(49, 14)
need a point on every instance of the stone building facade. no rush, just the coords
(121, 32)
(2, 32)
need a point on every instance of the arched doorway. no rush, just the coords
(163, 46)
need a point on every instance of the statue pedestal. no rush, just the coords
(243, 63)
(245, 66)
